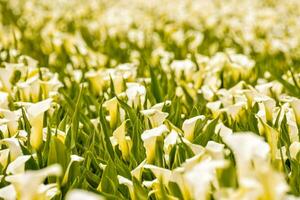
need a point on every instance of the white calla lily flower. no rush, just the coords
(4, 100)
(12, 118)
(50, 85)
(186, 67)
(137, 172)
(160, 173)
(149, 138)
(124, 142)
(155, 116)
(18, 165)
(136, 94)
(215, 149)
(4, 157)
(112, 106)
(29, 185)
(223, 130)
(5, 76)
(8, 192)
(13, 146)
(295, 104)
(200, 178)
(30, 89)
(36, 116)
(294, 149)
(189, 125)
(77, 194)
(269, 106)
(272, 136)
(74, 158)
(247, 148)
(97, 80)
(129, 184)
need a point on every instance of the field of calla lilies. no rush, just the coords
(150, 99)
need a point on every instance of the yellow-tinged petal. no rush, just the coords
(155, 116)
(18, 165)
(112, 107)
(295, 104)
(36, 116)
(27, 185)
(294, 149)
(188, 126)
(77, 194)
(149, 138)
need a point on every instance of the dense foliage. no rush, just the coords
(158, 99)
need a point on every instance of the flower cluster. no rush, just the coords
(155, 99)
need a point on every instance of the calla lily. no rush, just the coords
(254, 172)
(13, 146)
(199, 178)
(36, 116)
(4, 100)
(269, 105)
(186, 67)
(77, 194)
(8, 192)
(97, 81)
(215, 149)
(272, 136)
(214, 107)
(18, 165)
(155, 116)
(74, 158)
(30, 89)
(137, 172)
(295, 104)
(149, 138)
(12, 120)
(124, 141)
(4, 157)
(160, 173)
(235, 111)
(51, 85)
(159, 106)
(61, 135)
(29, 185)
(5, 76)
(129, 184)
(112, 107)
(292, 125)
(128, 71)
(136, 94)
(248, 149)
(207, 92)
(170, 141)
(294, 149)
(250, 95)
(118, 82)
(223, 130)
(188, 126)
